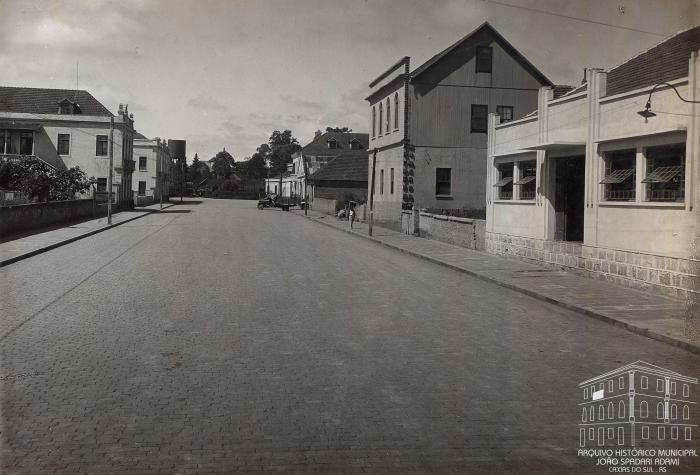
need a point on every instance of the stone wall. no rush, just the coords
(669, 275)
(462, 232)
(30, 217)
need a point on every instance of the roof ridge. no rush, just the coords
(652, 47)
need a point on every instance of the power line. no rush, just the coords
(583, 20)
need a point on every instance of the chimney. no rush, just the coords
(585, 76)
(317, 134)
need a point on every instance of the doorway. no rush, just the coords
(569, 198)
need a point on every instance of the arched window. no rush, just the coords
(621, 409)
(601, 412)
(591, 413)
(660, 410)
(583, 415)
(674, 411)
(644, 409)
(686, 412)
(611, 410)
(388, 115)
(374, 121)
(381, 118)
(396, 110)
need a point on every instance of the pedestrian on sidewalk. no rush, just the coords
(351, 215)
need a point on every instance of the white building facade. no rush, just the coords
(153, 175)
(588, 184)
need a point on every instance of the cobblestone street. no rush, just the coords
(214, 337)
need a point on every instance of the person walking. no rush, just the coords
(351, 215)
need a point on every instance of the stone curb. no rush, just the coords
(41, 250)
(670, 340)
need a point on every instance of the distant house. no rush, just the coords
(428, 126)
(342, 179)
(316, 154)
(585, 183)
(154, 175)
(67, 128)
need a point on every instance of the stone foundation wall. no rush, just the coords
(669, 275)
(35, 216)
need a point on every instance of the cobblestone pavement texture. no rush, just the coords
(644, 312)
(219, 338)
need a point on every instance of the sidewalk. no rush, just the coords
(28, 246)
(659, 317)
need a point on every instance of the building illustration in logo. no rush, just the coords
(636, 404)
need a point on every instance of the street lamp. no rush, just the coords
(647, 113)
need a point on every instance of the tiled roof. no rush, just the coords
(319, 145)
(562, 90)
(517, 55)
(45, 101)
(140, 136)
(349, 166)
(664, 62)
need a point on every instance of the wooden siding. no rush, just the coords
(441, 98)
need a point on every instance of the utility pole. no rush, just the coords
(162, 174)
(371, 192)
(182, 177)
(109, 173)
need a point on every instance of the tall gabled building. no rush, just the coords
(428, 127)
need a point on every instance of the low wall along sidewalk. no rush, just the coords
(29, 217)
(463, 232)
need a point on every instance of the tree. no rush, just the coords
(223, 164)
(338, 129)
(37, 179)
(282, 146)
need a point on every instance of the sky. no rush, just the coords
(228, 73)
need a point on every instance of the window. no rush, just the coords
(661, 433)
(355, 145)
(591, 413)
(142, 188)
(381, 118)
(484, 58)
(674, 432)
(63, 144)
(505, 112)
(665, 180)
(674, 411)
(621, 382)
(101, 146)
(645, 432)
(26, 143)
(143, 164)
(332, 143)
(396, 111)
(660, 410)
(381, 177)
(585, 393)
(583, 415)
(102, 185)
(619, 178)
(591, 431)
(443, 181)
(479, 118)
(5, 141)
(621, 409)
(659, 385)
(686, 390)
(643, 409)
(645, 382)
(601, 413)
(620, 436)
(611, 432)
(527, 182)
(611, 410)
(673, 388)
(686, 413)
(391, 181)
(374, 121)
(688, 433)
(505, 191)
(388, 115)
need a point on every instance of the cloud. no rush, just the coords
(206, 103)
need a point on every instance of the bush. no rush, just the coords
(36, 179)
